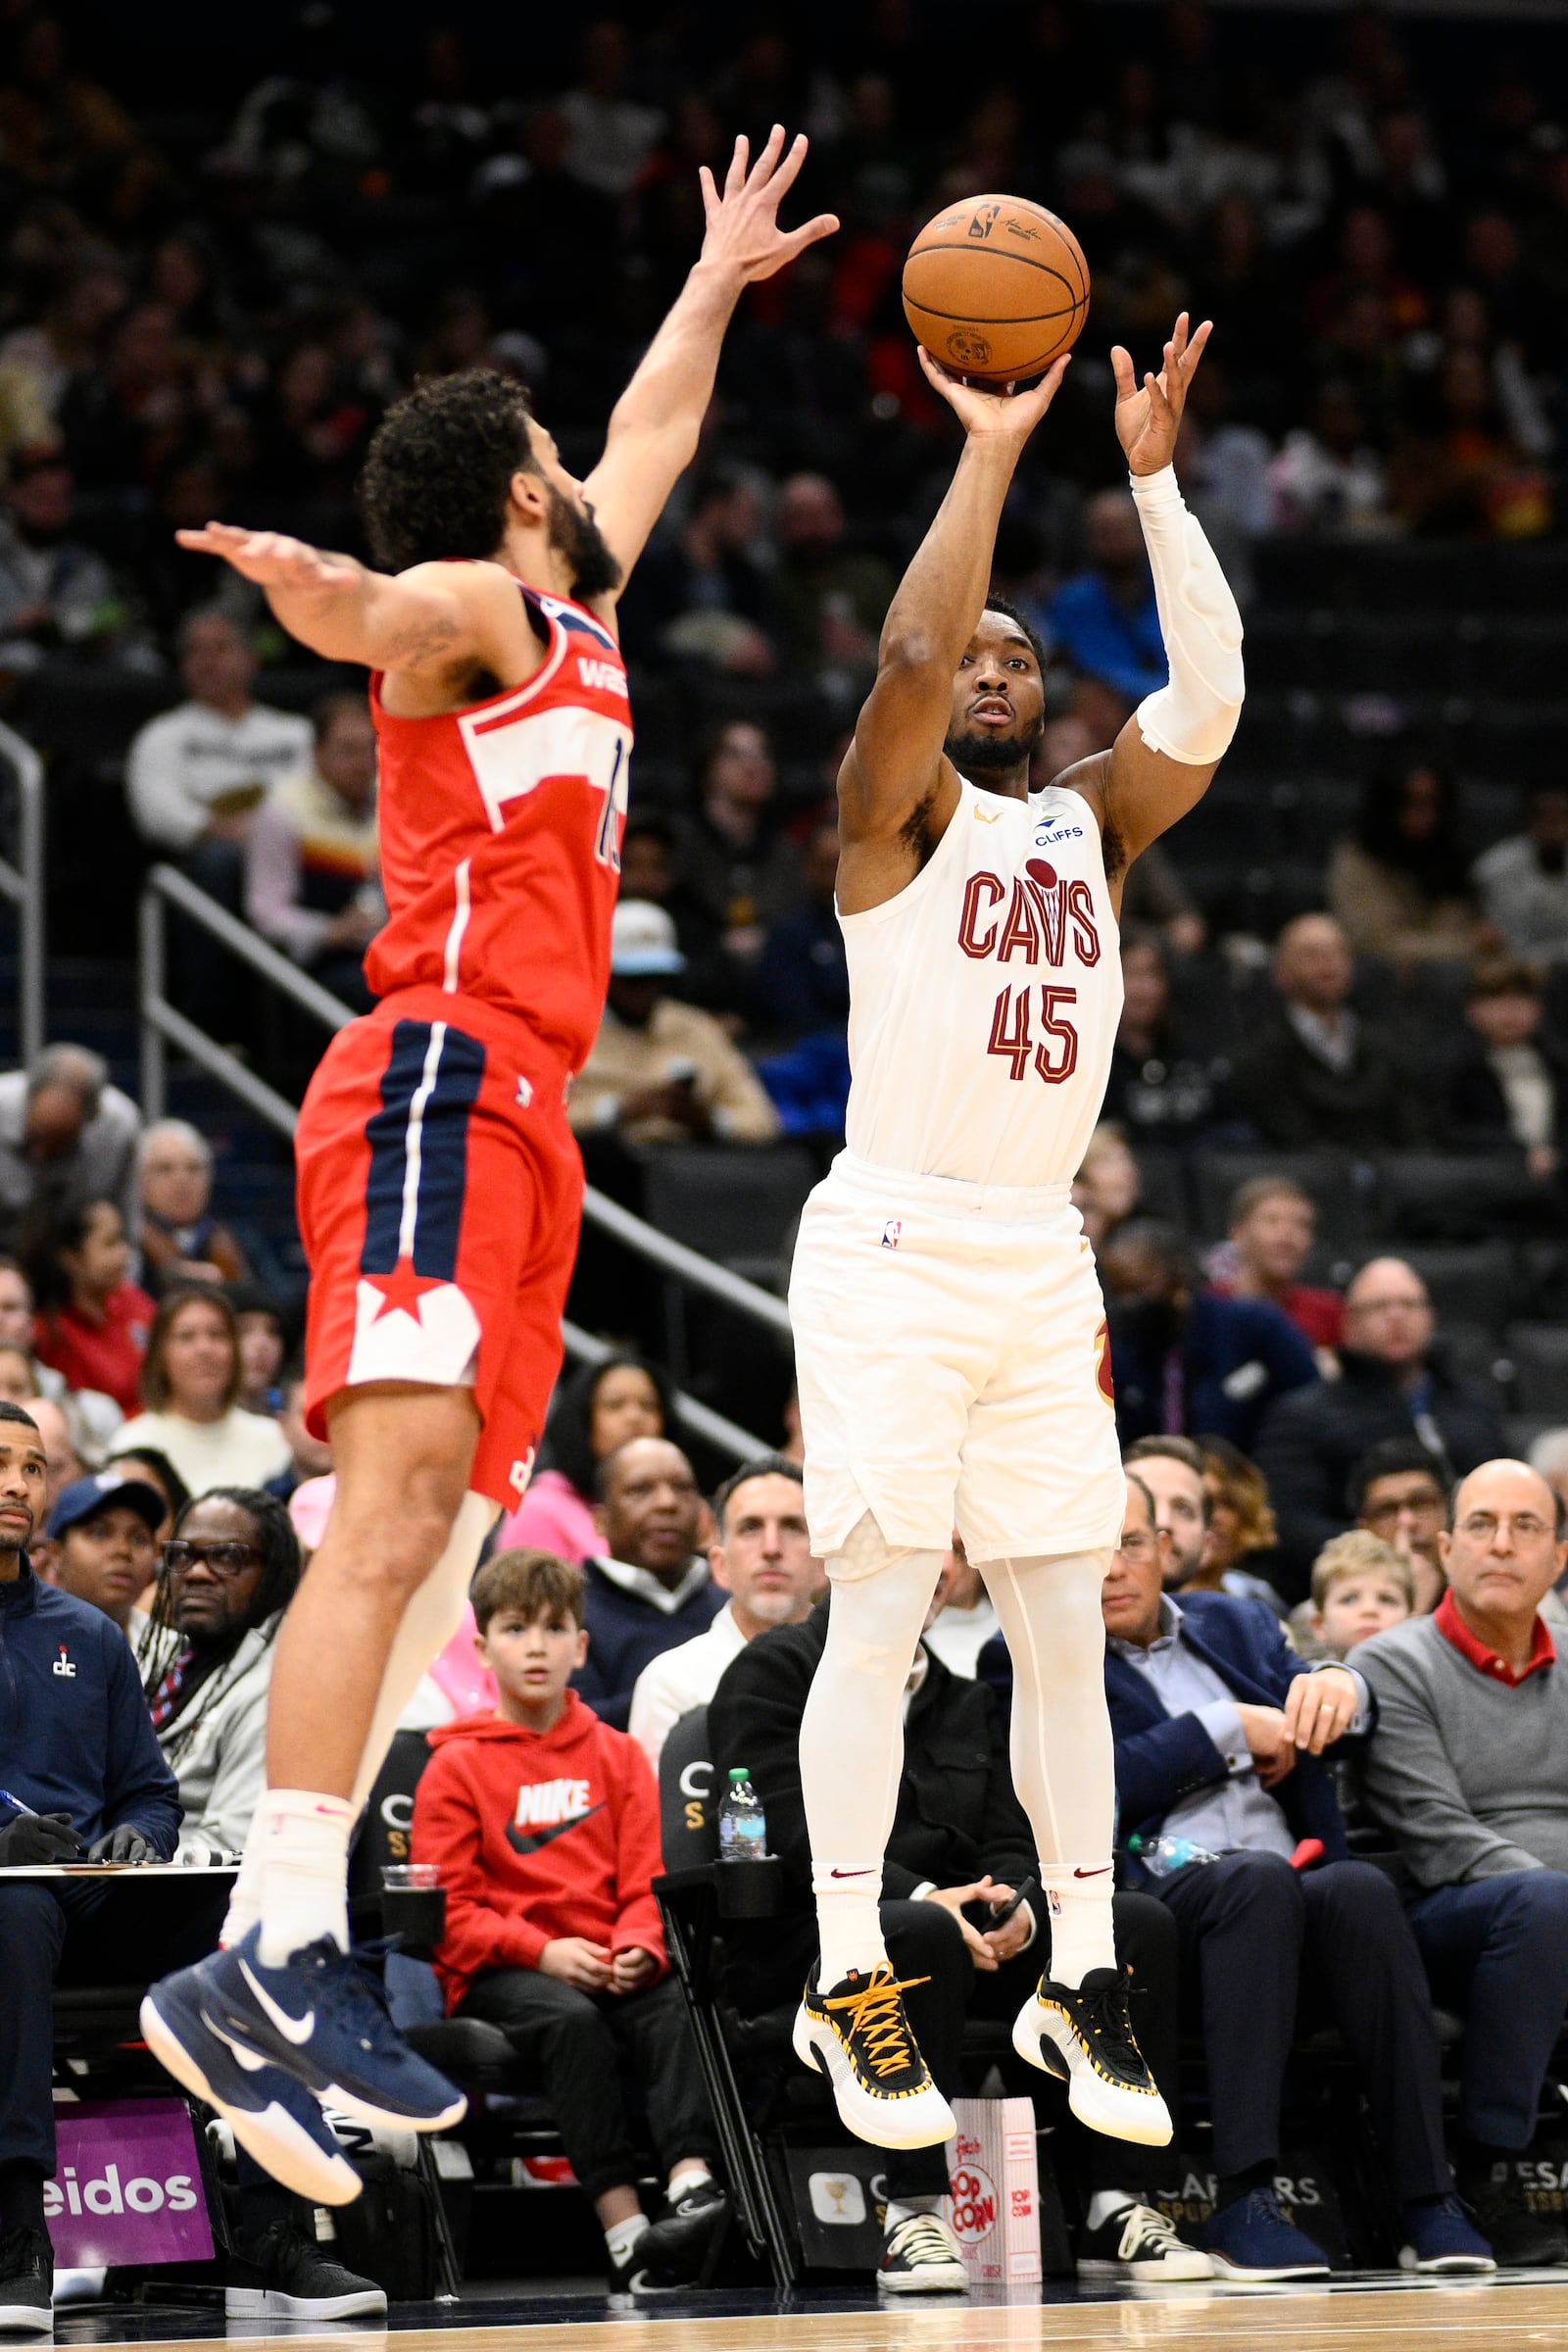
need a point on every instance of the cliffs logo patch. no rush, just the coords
(548, 1809)
(1103, 1371)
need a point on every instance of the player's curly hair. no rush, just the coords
(438, 469)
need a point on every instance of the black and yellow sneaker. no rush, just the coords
(860, 2038)
(1085, 2035)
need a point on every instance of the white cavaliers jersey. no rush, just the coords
(984, 999)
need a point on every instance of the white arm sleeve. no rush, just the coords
(1194, 718)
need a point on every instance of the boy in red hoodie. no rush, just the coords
(544, 1824)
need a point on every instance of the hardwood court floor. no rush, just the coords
(1480, 2316)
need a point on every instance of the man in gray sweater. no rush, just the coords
(1468, 1769)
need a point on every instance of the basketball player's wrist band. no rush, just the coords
(1193, 719)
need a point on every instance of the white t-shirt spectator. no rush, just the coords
(184, 762)
(678, 1679)
(238, 1449)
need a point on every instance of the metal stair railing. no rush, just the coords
(163, 1025)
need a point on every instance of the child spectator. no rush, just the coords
(1360, 1587)
(544, 1824)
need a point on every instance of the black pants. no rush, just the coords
(578, 2047)
(923, 1939)
(81, 1932)
(1497, 1951)
(1264, 1945)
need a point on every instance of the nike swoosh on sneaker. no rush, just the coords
(521, 1845)
(297, 2029)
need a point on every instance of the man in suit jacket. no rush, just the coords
(1220, 1731)
(961, 1842)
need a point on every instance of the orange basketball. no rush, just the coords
(996, 287)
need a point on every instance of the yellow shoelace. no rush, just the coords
(877, 2014)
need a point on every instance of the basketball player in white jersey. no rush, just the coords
(949, 1329)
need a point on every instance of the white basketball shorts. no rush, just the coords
(950, 1346)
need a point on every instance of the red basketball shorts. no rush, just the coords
(440, 1195)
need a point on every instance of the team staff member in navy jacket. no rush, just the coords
(1219, 1732)
(78, 1756)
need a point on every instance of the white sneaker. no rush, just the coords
(1083, 2035)
(858, 2037)
(1136, 2241)
(920, 2257)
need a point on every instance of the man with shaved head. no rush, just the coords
(1469, 1771)
(1396, 1384)
(1318, 1074)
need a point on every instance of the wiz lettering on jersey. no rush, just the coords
(501, 830)
(984, 999)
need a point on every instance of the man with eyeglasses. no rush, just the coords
(1397, 1491)
(1469, 1771)
(1394, 1383)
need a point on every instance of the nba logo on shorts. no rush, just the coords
(891, 1232)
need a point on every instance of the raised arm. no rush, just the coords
(655, 422)
(1161, 763)
(894, 764)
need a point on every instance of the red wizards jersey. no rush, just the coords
(501, 831)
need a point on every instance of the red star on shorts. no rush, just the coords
(404, 1289)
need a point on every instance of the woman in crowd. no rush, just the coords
(263, 1348)
(1242, 1533)
(1399, 883)
(156, 1470)
(190, 1384)
(181, 1240)
(599, 1407)
(92, 1320)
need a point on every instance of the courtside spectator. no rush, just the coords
(19, 1373)
(660, 1071)
(102, 1543)
(648, 1588)
(312, 858)
(78, 1755)
(1523, 881)
(263, 1347)
(93, 1321)
(181, 1240)
(1161, 1087)
(1272, 1227)
(1397, 886)
(1172, 1469)
(1318, 1074)
(227, 1573)
(1242, 1533)
(762, 1559)
(64, 1460)
(1396, 1491)
(1106, 1189)
(156, 1470)
(1183, 1359)
(960, 1842)
(66, 1134)
(598, 1408)
(1466, 1773)
(1201, 1754)
(191, 1381)
(1360, 1587)
(1105, 618)
(732, 858)
(1506, 1087)
(1394, 1383)
(196, 776)
(544, 1825)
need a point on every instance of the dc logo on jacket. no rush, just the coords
(61, 1664)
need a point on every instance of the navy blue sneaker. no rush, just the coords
(271, 2116)
(1440, 2237)
(321, 2017)
(1250, 2238)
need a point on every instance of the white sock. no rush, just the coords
(1107, 2201)
(429, 1621)
(621, 2236)
(1064, 1764)
(852, 1739)
(304, 1842)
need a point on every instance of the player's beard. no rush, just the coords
(988, 754)
(577, 537)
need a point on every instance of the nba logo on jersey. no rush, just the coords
(891, 1232)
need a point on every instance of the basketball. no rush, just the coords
(996, 287)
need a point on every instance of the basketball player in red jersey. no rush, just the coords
(439, 1187)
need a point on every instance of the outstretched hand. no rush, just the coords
(742, 231)
(1002, 414)
(1149, 417)
(272, 560)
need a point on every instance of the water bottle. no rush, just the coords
(742, 1823)
(1162, 1857)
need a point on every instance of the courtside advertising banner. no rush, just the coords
(994, 2192)
(127, 2185)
